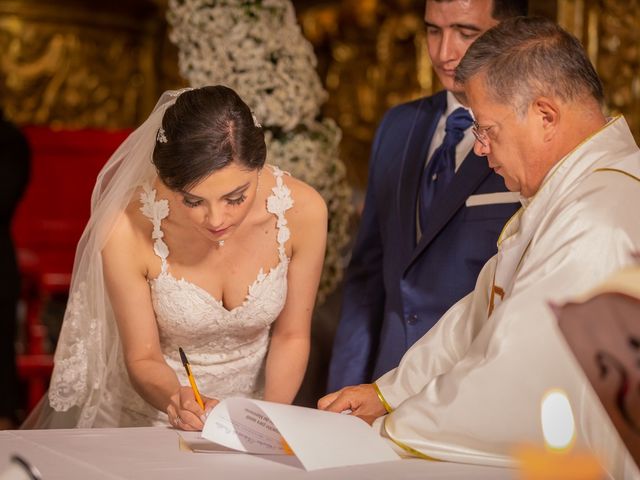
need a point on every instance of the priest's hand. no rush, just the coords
(361, 400)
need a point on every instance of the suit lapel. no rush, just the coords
(471, 174)
(426, 118)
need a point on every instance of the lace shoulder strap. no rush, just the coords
(279, 202)
(155, 211)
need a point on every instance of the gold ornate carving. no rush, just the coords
(609, 30)
(619, 58)
(76, 67)
(373, 56)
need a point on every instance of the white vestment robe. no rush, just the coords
(470, 390)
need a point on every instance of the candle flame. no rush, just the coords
(558, 426)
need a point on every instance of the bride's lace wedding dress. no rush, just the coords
(226, 348)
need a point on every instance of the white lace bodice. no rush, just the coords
(226, 348)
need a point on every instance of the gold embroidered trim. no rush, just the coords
(618, 171)
(556, 167)
(506, 225)
(407, 448)
(385, 404)
(495, 290)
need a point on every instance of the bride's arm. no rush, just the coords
(130, 296)
(289, 347)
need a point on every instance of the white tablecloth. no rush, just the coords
(153, 453)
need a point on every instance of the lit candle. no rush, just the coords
(556, 461)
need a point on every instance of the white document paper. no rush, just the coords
(317, 438)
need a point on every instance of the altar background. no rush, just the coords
(74, 64)
(103, 64)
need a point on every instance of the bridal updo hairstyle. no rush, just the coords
(204, 131)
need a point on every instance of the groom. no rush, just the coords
(427, 230)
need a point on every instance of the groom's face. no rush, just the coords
(452, 26)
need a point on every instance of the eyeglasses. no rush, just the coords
(480, 132)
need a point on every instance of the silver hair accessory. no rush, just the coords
(161, 137)
(255, 120)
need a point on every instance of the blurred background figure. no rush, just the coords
(603, 332)
(14, 164)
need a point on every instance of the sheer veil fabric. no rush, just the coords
(89, 347)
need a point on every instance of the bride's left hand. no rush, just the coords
(185, 413)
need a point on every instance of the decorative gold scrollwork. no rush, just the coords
(609, 30)
(373, 56)
(75, 68)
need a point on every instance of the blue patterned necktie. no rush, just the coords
(442, 166)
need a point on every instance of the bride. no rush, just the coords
(193, 242)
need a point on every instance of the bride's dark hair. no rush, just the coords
(205, 130)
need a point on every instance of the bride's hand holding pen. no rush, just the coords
(188, 408)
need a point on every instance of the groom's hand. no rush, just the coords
(362, 400)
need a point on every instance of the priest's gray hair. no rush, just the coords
(528, 57)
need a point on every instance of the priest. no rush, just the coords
(470, 389)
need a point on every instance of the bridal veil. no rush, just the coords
(89, 347)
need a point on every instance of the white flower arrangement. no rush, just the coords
(256, 47)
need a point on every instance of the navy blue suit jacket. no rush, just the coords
(396, 290)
